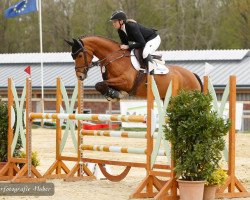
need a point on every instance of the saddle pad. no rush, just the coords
(158, 66)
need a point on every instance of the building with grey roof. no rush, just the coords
(54, 65)
(225, 63)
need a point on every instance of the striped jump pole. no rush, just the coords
(89, 117)
(117, 149)
(122, 134)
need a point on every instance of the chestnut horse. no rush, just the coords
(119, 75)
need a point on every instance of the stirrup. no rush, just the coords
(142, 70)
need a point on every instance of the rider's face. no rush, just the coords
(116, 24)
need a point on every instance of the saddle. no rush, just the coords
(139, 64)
(138, 55)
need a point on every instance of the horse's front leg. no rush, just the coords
(118, 82)
(109, 92)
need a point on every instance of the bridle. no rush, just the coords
(87, 66)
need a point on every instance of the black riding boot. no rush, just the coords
(147, 60)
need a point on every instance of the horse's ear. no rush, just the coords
(75, 41)
(69, 43)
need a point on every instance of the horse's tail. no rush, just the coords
(198, 78)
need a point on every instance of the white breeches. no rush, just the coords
(151, 46)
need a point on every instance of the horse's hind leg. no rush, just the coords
(108, 92)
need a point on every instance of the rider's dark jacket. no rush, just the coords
(137, 35)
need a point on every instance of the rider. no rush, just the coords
(135, 36)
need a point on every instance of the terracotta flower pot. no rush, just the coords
(191, 190)
(209, 192)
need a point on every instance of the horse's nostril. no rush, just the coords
(81, 78)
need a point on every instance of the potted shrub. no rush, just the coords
(196, 134)
(4, 135)
(213, 181)
(34, 159)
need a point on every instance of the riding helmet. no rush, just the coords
(119, 15)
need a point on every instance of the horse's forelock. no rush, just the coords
(76, 46)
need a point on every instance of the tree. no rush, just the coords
(182, 24)
(56, 24)
(234, 24)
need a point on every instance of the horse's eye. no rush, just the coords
(80, 56)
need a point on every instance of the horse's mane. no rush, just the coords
(99, 36)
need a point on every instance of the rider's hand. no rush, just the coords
(124, 47)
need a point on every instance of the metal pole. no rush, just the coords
(110, 112)
(41, 55)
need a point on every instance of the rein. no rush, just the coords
(87, 66)
(110, 61)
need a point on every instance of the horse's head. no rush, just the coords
(82, 57)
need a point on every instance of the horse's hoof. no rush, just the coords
(123, 94)
(109, 98)
(112, 100)
(115, 100)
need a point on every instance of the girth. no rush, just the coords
(139, 76)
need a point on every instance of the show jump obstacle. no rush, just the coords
(151, 186)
